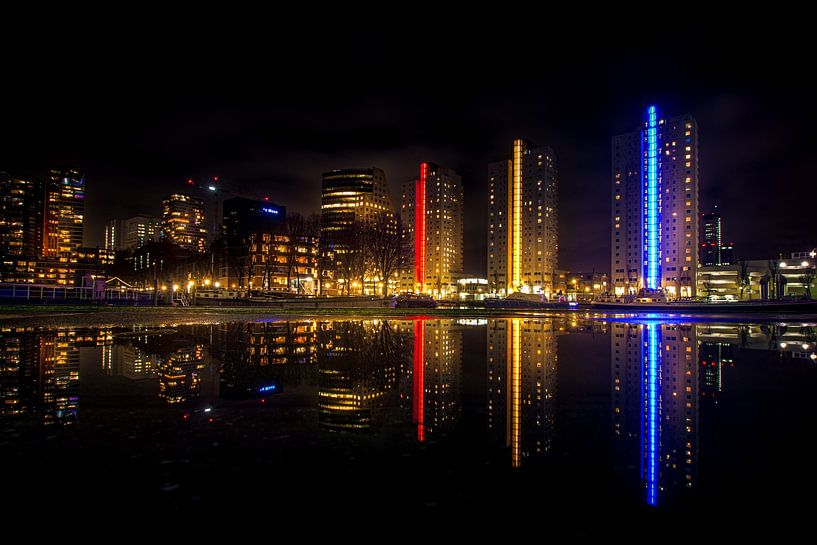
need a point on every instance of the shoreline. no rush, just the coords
(88, 316)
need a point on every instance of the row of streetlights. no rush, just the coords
(192, 284)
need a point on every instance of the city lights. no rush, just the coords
(420, 229)
(419, 383)
(652, 202)
(515, 200)
(651, 425)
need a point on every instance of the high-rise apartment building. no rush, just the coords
(41, 226)
(432, 215)
(21, 206)
(183, 221)
(350, 197)
(523, 223)
(654, 218)
(64, 214)
(20, 215)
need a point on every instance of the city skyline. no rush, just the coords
(755, 134)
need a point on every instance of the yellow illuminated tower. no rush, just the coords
(523, 227)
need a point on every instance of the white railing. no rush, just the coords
(36, 292)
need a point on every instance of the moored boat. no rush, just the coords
(415, 300)
(525, 300)
(798, 307)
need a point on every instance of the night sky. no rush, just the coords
(140, 112)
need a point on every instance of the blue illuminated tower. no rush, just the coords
(651, 173)
(654, 220)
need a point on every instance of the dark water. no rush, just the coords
(557, 426)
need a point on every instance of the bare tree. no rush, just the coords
(743, 277)
(351, 255)
(295, 228)
(236, 251)
(312, 234)
(707, 285)
(389, 250)
(807, 278)
(774, 281)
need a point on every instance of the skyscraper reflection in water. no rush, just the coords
(180, 373)
(522, 358)
(259, 359)
(430, 381)
(655, 404)
(357, 373)
(40, 374)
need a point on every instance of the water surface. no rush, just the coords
(562, 425)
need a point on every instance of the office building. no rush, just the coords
(523, 226)
(114, 231)
(131, 233)
(432, 216)
(139, 230)
(183, 222)
(350, 197)
(472, 288)
(655, 207)
(264, 252)
(581, 286)
(714, 251)
(357, 374)
(774, 278)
